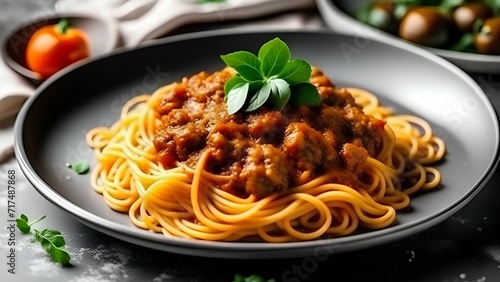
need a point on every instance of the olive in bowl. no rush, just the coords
(467, 14)
(344, 17)
(426, 25)
(487, 38)
(455, 25)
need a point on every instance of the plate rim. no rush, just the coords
(252, 250)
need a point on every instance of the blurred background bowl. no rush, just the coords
(339, 16)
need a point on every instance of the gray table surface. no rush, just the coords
(466, 247)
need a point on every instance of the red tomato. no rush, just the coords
(53, 47)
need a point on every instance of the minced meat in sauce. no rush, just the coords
(266, 151)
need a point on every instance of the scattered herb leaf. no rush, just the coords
(271, 76)
(80, 167)
(24, 225)
(52, 241)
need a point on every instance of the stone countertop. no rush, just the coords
(465, 247)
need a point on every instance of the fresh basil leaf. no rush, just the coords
(80, 167)
(305, 94)
(46, 245)
(24, 217)
(236, 97)
(231, 83)
(266, 77)
(53, 236)
(296, 71)
(248, 73)
(22, 224)
(257, 100)
(280, 93)
(52, 242)
(255, 86)
(240, 58)
(61, 256)
(273, 56)
(38, 235)
(245, 63)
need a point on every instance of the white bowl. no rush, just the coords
(337, 15)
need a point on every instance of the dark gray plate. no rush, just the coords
(51, 126)
(338, 15)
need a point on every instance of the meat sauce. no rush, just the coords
(266, 151)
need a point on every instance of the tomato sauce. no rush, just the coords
(266, 151)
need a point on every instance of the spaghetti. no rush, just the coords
(186, 200)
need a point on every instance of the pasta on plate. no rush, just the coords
(178, 164)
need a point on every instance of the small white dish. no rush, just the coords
(102, 32)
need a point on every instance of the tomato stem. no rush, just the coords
(63, 25)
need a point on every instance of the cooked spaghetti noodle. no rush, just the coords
(188, 199)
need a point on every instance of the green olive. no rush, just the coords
(466, 14)
(487, 39)
(426, 26)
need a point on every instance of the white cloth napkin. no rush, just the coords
(142, 20)
(14, 91)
